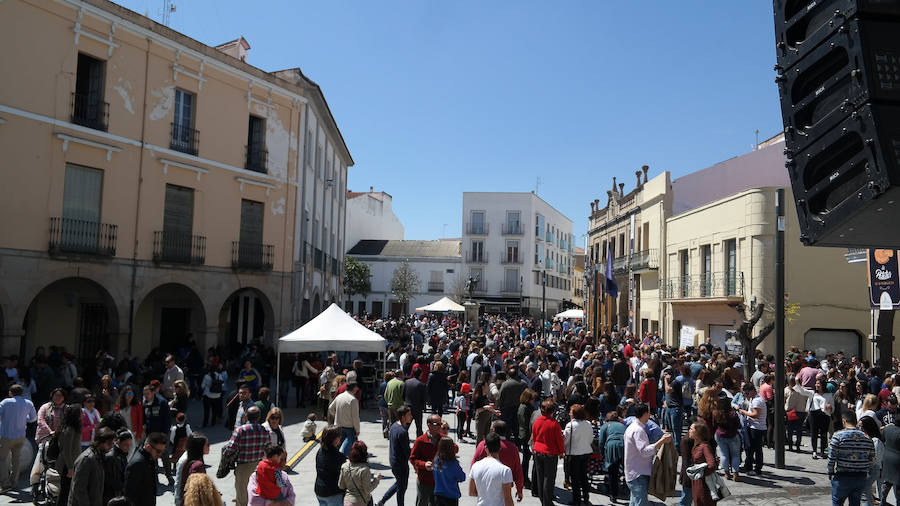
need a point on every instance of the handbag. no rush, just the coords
(717, 488)
(792, 415)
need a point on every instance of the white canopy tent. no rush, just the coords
(570, 313)
(442, 305)
(331, 330)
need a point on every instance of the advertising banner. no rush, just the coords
(884, 286)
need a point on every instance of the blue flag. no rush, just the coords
(612, 289)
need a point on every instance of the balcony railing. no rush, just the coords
(252, 256)
(714, 284)
(90, 111)
(645, 260)
(255, 158)
(436, 286)
(509, 288)
(185, 139)
(80, 236)
(508, 259)
(620, 265)
(549, 237)
(179, 247)
(477, 229)
(512, 229)
(474, 257)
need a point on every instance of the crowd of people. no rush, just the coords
(628, 416)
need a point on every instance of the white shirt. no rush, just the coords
(490, 475)
(758, 423)
(578, 436)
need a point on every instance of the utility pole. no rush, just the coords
(779, 329)
(543, 300)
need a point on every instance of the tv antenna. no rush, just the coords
(537, 185)
(168, 9)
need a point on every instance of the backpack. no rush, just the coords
(217, 385)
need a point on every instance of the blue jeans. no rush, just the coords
(639, 488)
(730, 448)
(687, 495)
(846, 487)
(348, 437)
(401, 475)
(674, 419)
(332, 500)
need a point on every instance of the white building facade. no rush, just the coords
(515, 244)
(370, 215)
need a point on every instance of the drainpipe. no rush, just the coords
(137, 211)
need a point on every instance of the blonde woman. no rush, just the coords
(201, 491)
(868, 407)
(274, 421)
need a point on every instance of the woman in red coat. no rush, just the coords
(647, 393)
(547, 446)
(702, 453)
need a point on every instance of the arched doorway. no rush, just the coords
(77, 314)
(168, 317)
(317, 306)
(245, 317)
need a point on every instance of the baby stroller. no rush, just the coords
(47, 487)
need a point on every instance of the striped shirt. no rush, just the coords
(850, 451)
(249, 441)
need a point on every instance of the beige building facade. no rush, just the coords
(156, 189)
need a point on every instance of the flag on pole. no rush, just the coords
(611, 288)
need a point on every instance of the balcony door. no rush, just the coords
(512, 222)
(178, 223)
(183, 124)
(731, 271)
(88, 107)
(251, 238)
(512, 252)
(82, 195)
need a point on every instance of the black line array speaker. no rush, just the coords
(839, 82)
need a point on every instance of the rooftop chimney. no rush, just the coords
(645, 168)
(637, 174)
(371, 189)
(614, 184)
(621, 188)
(597, 204)
(593, 207)
(236, 48)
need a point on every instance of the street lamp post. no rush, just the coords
(543, 301)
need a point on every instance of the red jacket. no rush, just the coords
(266, 487)
(647, 393)
(546, 434)
(423, 451)
(509, 457)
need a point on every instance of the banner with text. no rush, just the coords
(884, 288)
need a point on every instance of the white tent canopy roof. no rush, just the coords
(570, 313)
(332, 330)
(441, 305)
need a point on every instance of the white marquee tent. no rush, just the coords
(570, 313)
(441, 305)
(332, 330)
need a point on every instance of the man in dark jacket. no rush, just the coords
(398, 452)
(508, 399)
(140, 474)
(114, 466)
(414, 394)
(88, 480)
(156, 419)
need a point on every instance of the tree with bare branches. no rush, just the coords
(745, 335)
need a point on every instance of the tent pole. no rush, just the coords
(277, 371)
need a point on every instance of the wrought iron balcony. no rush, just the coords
(645, 260)
(252, 256)
(476, 257)
(90, 111)
(185, 139)
(84, 237)
(508, 259)
(256, 157)
(710, 285)
(512, 229)
(436, 286)
(179, 248)
(477, 228)
(509, 288)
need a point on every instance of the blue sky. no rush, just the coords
(435, 97)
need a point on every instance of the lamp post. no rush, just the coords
(543, 301)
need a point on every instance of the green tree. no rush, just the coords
(405, 283)
(357, 277)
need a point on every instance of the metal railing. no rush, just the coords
(185, 139)
(248, 255)
(90, 111)
(509, 287)
(477, 228)
(647, 259)
(436, 286)
(256, 157)
(179, 247)
(512, 229)
(549, 237)
(713, 284)
(79, 236)
(508, 259)
(473, 257)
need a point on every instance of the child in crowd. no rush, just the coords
(461, 402)
(309, 428)
(448, 474)
(269, 481)
(178, 436)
